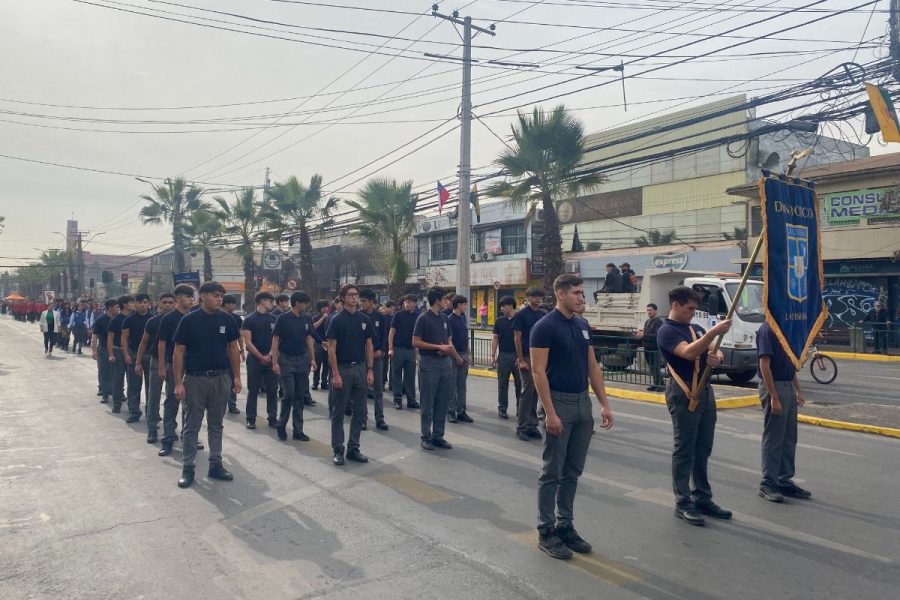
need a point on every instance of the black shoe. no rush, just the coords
(502, 412)
(534, 434)
(690, 515)
(412, 404)
(795, 491)
(217, 471)
(452, 418)
(315, 386)
(364, 427)
(309, 402)
(133, 419)
(398, 405)
(572, 540)
(300, 436)
(522, 435)
(165, 450)
(356, 456)
(770, 493)
(234, 410)
(104, 400)
(711, 509)
(272, 422)
(348, 412)
(381, 425)
(282, 433)
(99, 393)
(427, 445)
(442, 443)
(551, 545)
(187, 477)
(338, 458)
(464, 417)
(251, 424)
(152, 437)
(117, 409)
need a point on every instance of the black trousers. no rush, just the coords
(322, 374)
(693, 433)
(259, 373)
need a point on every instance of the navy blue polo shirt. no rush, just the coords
(403, 323)
(135, 324)
(433, 329)
(379, 341)
(261, 326)
(767, 345)
(459, 332)
(167, 328)
(524, 320)
(205, 338)
(152, 329)
(292, 331)
(115, 328)
(322, 329)
(101, 328)
(668, 337)
(350, 331)
(568, 342)
(503, 329)
(238, 320)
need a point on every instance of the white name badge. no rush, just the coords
(364, 326)
(585, 333)
(221, 329)
(272, 325)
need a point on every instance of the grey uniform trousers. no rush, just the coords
(564, 457)
(377, 389)
(207, 395)
(117, 378)
(527, 409)
(135, 383)
(779, 439)
(154, 393)
(403, 374)
(436, 388)
(170, 410)
(104, 372)
(694, 433)
(459, 373)
(295, 382)
(352, 393)
(506, 366)
(258, 373)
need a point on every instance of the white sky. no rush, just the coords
(69, 53)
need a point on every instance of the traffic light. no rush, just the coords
(106, 277)
(92, 283)
(125, 280)
(259, 282)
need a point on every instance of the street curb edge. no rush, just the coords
(862, 356)
(848, 426)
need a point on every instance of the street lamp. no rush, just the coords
(620, 68)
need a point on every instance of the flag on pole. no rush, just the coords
(473, 198)
(885, 115)
(443, 196)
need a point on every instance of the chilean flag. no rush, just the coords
(443, 196)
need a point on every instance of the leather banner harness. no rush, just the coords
(688, 391)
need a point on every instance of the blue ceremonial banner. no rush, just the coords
(192, 278)
(792, 264)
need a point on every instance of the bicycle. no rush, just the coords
(822, 367)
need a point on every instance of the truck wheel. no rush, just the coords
(742, 376)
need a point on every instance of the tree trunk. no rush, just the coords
(249, 283)
(307, 273)
(207, 265)
(553, 257)
(177, 247)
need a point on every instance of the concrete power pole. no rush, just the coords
(464, 224)
(895, 37)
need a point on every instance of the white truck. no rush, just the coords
(616, 318)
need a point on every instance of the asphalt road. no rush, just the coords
(87, 509)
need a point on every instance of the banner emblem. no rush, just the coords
(798, 261)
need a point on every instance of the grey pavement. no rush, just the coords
(87, 509)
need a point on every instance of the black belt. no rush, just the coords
(294, 355)
(350, 364)
(211, 373)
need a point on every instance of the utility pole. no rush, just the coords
(464, 224)
(895, 38)
(265, 201)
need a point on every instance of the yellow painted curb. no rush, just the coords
(862, 356)
(846, 425)
(655, 398)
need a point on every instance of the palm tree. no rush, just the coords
(739, 236)
(655, 237)
(387, 218)
(298, 209)
(548, 147)
(173, 202)
(204, 231)
(243, 220)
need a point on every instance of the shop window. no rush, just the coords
(443, 246)
(512, 239)
(755, 221)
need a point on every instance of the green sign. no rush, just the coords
(876, 205)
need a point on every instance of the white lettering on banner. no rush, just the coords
(506, 272)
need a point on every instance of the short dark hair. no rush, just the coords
(566, 281)
(184, 289)
(342, 293)
(299, 298)
(282, 298)
(212, 287)
(367, 295)
(321, 304)
(507, 301)
(653, 306)
(683, 294)
(123, 300)
(410, 297)
(534, 292)
(434, 294)
(390, 304)
(165, 295)
(229, 299)
(110, 303)
(141, 297)
(263, 296)
(457, 300)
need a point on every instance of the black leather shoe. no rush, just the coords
(104, 400)
(99, 393)
(133, 419)
(522, 435)
(117, 409)
(381, 425)
(309, 402)
(272, 422)
(412, 404)
(365, 427)
(251, 424)
(234, 410)
(771, 494)
(348, 412)
(427, 445)
(572, 540)
(795, 491)
(282, 433)
(165, 450)
(315, 386)
(534, 434)
(217, 471)
(300, 436)
(690, 515)
(187, 477)
(711, 509)
(152, 437)
(357, 456)
(552, 546)
(502, 412)
(338, 458)
(464, 417)
(398, 405)
(442, 443)
(200, 445)
(452, 418)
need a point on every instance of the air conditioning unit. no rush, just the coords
(487, 256)
(573, 266)
(475, 257)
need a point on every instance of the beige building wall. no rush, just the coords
(690, 194)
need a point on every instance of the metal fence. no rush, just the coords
(865, 339)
